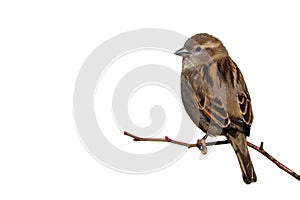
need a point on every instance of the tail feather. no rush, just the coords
(239, 145)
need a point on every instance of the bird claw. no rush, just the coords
(201, 144)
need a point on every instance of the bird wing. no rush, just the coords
(210, 104)
(243, 115)
(213, 104)
(244, 99)
(213, 108)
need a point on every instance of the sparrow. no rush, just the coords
(215, 95)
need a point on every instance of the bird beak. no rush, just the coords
(182, 52)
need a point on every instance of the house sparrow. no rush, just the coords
(215, 95)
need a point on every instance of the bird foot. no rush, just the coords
(201, 144)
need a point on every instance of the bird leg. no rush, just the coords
(201, 144)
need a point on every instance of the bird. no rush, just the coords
(215, 96)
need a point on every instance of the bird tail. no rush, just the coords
(239, 145)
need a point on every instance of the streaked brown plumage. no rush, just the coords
(215, 95)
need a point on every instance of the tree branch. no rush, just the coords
(260, 149)
(167, 139)
(276, 162)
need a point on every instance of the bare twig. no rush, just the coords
(167, 139)
(260, 149)
(276, 162)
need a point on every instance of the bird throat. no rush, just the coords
(194, 61)
(188, 63)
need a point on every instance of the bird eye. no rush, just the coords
(198, 49)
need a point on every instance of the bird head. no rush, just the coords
(202, 49)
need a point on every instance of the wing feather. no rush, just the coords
(212, 105)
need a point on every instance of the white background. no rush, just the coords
(42, 47)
